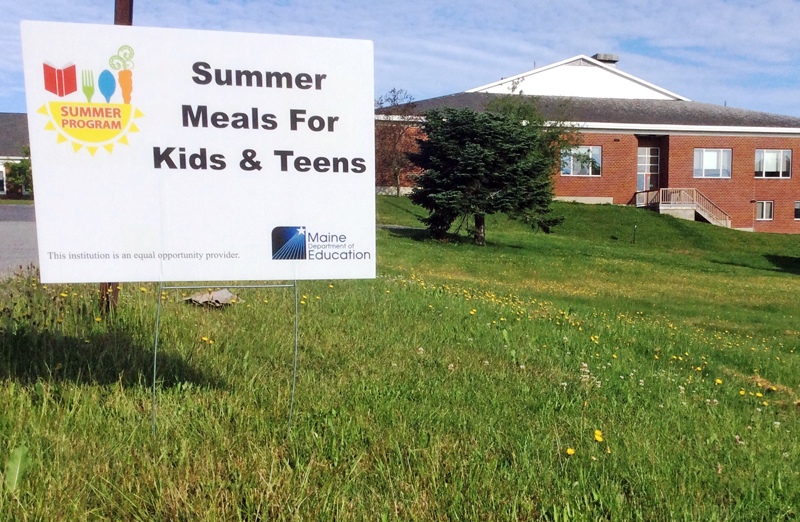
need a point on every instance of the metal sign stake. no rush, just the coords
(161, 288)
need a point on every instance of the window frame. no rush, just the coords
(567, 156)
(780, 162)
(796, 210)
(722, 156)
(763, 205)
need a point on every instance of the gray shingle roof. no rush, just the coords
(612, 110)
(13, 133)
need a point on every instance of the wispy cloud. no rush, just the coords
(742, 52)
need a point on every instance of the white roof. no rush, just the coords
(579, 77)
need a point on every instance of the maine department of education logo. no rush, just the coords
(101, 121)
(289, 243)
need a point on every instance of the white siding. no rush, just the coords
(579, 77)
(580, 81)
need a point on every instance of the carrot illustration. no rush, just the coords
(122, 62)
(126, 84)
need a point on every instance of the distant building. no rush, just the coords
(652, 147)
(13, 139)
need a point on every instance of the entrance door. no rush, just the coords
(647, 168)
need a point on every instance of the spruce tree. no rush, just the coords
(475, 164)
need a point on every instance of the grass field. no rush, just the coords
(570, 376)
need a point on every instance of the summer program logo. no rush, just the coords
(92, 125)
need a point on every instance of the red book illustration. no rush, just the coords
(60, 81)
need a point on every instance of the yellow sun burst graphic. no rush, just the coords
(91, 125)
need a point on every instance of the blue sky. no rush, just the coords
(745, 53)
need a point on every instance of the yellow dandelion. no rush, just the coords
(741, 392)
(598, 435)
(204, 339)
(387, 291)
(717, 381)
(97, 319)
(143, 289)
(759, 394)
(211, 341)
(614, 356)
(59, 320)
(330, 286)
(765, 403)
(656, 356)
(570, 452)
(62, 294)
(302, 302)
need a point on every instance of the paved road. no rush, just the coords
(17, 238)
(19, 213)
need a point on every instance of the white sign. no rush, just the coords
(178, 155)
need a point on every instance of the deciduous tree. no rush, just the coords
(20, 178)
(394, 135)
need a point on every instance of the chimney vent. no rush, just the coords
(608, 59)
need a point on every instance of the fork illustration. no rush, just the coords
(88, 85)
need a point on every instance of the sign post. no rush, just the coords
(109, 292)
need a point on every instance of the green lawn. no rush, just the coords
(16, 201)
(463, 383)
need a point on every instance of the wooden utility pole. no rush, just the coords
(109, 292)
(123, 12)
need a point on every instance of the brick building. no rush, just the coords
(643, 145)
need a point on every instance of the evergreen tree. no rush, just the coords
(498, 161)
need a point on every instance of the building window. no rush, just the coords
(712, 163)
(2, 179)
(647, 168)
(764, 210)
(773, 163)
(797, 209)
(582, 161)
